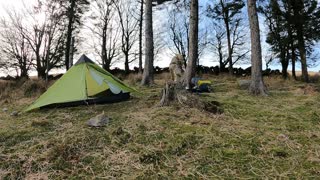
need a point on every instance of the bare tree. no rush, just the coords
(16, 51)
(73, 11)
(43, 34)
(106, 31)
(219, 47)
(178, 32)
(128, 26)
(257, 86)
(228, 12)
(239, 48)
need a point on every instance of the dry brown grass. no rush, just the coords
(273, 137)
(134, 78)
(314, 77)
(163, 76)
(20, 91)
(311, 73)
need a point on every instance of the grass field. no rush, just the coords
(256, 137)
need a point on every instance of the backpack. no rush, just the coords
(201, 85)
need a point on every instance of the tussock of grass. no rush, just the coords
(19, 91)
(270, 137)
(34, 88)
(134, 78)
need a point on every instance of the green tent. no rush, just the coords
(84, 83)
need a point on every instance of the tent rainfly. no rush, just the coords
(84, 83)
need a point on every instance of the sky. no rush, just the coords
(11, 3)
(165, 57)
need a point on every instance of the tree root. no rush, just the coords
(174, 93)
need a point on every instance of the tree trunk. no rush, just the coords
(257, 86)
(304, 66)
(221, 63)
(293, 54)
(104, 48)
(71, 53)
(303, 58)
(107, 64)
(294, 57)
(41, 73)
(126, 63)
(284, 63)
(147, 78)
(23, 68)
(299, 6)
(38, 63)
(169, 93)
(302, 50)
(24, 72)
(193, 43)
(140, 36)
(69, 32)
(230, 68)
(284, 70)
(40, 69)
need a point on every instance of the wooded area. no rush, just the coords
(122, 31)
